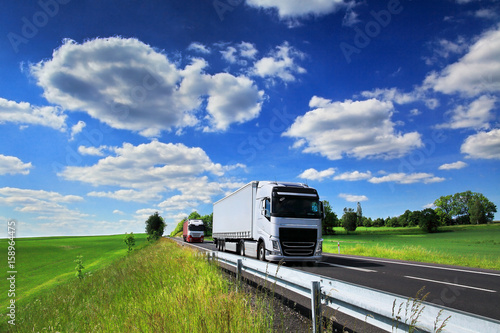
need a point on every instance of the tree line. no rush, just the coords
(460, 208)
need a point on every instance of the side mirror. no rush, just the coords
(322, 209)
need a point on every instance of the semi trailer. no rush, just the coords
(271, 221)
(193, 231)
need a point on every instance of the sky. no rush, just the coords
(113, 110)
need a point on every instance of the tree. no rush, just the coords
(476, 213)
(155, 226)
(129, 241)
(359, 215)
(458, 206)
(428, 220)
(208, 221)
(379, 222)
(349, 219)
(331, 220)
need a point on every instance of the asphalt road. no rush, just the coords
(475, 291)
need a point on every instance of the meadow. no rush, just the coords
(470, 245)
(161, 288)
(43, 262)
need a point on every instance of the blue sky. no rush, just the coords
(112, 110)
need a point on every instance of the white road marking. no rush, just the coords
(451, 284)
(350, 267)
(416, 265)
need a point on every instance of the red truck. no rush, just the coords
(193, 231)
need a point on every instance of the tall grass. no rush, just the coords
(161, 288)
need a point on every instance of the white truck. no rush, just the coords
(271, 221)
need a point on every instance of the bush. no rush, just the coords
(129, 241)
(349, 221)
(429, 220)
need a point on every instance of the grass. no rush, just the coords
(44, 262)
(161, 288)
(470, 246)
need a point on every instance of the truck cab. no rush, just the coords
(193, 231)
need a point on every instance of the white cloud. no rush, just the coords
(199, 47)
(119, 212)
(299, 8)
(26, 114)
(127, 195)
(483, 145)
(486, 14)
(12, 165)
(281, 63)
(145, 173)
(313, 174)
(353, 198)
(476, 115)
(361, 129)
(92, 151)
(475, 73)
(77, 128)
(240, 53)
(453, 166)
(46, 205)
(404, 178)
(353, 176)
(130, 85)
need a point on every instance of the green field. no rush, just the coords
(161, 288)
(471, 246)
(43, 262)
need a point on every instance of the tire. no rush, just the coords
(261, 251)
(241, 248)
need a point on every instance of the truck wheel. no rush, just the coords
(241, 248)
(261, 251)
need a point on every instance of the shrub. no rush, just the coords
(155, 226)
(429, 220)
(129, 241)
(349, 221)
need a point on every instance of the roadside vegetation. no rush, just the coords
(43, 262)
(465, 245)
(161, 288)
(207, 221)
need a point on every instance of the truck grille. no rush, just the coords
(298, 242)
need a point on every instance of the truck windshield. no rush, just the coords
(295, 206)
(194, 227)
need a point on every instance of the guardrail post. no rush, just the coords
(239, 267)
(316, 306)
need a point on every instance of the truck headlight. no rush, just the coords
(276, 248)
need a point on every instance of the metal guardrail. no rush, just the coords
(386, 311)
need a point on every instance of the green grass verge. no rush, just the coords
(44, 262)
(161, 288)
(471, 246)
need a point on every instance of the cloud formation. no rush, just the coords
(26, 114)
(12, 165)
(360, 129)
(299, 8)
(130, 85)
(483, 145)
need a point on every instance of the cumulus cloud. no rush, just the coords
(281, 63)
(240, 53)
(477, 72)
(26, 114)
(353, 176)
(483, 145)
(453, 166)
(476, 115)
(92, 151)
(313, 174)
(199, 47)
(130, 85)
(404, 178)
(360, 129)
(77, 128)
(353, 198)
(45, 204)
(12, 165)
(148, 172)
(298, 8)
